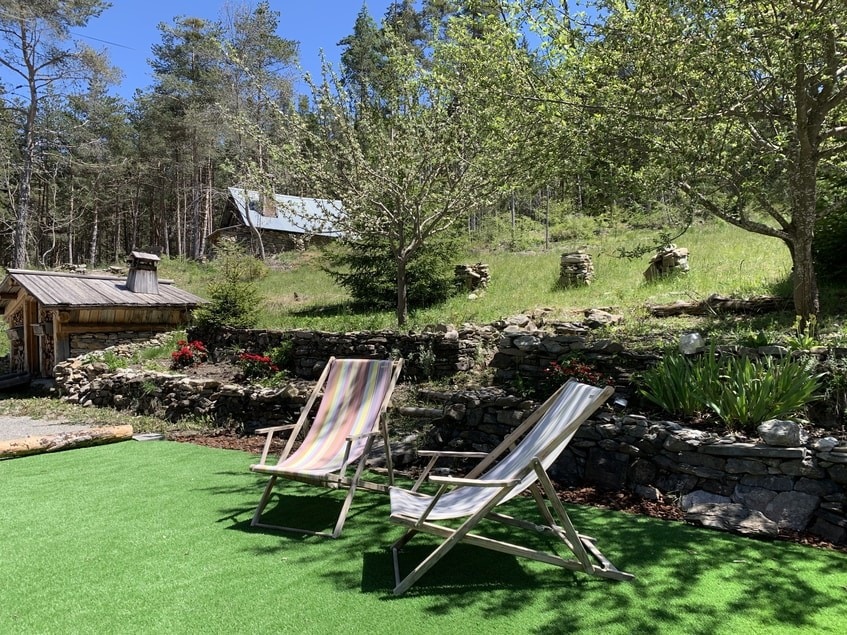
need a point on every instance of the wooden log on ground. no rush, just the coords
(720, 304)
(64, 441)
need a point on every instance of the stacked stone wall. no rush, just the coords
(800, 486)
(83, 343)
(439, 353)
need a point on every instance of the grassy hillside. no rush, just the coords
(299, 294)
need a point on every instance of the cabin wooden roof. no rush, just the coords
(60, 290)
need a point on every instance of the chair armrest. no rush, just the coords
(474, 482)
(437, 454)
(273, 429)
(270, 431)
(364, 435)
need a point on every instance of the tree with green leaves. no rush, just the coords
(187, 73)
(38, 48)
(740, 105)
(409, 167)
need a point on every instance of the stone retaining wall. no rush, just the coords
(82, 343)
(442, 352)
(175, 397)
(802, 487)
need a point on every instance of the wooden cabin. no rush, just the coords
(52, 316)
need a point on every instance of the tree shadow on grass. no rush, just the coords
(688, 579)
(693, 580)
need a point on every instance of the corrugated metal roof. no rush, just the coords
(291, 214)
(54, 289)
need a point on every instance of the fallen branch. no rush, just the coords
(64, 441)
(720, 304)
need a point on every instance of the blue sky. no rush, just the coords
(128, 29)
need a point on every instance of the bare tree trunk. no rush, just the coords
(71, 206)
(803, 183)
(19, 253)
(402, 292)
(95, 231)
(179, 243)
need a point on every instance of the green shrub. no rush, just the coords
(282, 355)
(234, 297)
(671, 385)
(368, 272)
(802, 338)
(740, 392)
(749, 393)
(114, 361)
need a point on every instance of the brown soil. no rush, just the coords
(222, 371)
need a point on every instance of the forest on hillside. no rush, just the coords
(443, 116)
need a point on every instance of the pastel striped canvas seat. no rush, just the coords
(356, 393)
(518, 464)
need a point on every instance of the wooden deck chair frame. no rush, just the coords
(332, 479)
(556, 522)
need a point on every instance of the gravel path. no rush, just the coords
(19, 427)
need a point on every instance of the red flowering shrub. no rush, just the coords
(188, 354)
(256, 366)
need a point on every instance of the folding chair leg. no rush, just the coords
(264, 501)
(339, 525)
(428, 562)
(441, 550)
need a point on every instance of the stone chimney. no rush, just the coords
(142, 276)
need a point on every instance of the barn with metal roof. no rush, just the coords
(278, 223)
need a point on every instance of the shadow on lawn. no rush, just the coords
(693, 579)
(315, 512)
(687, 579)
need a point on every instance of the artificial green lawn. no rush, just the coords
(154, 538)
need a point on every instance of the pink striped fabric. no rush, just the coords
(353, 397)
(546, 440)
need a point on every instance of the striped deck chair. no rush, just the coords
(524, 458)
(356, 393)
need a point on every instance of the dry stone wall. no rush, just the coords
(778, 481)
(440, 352)
(175, 396)
(82, 343)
